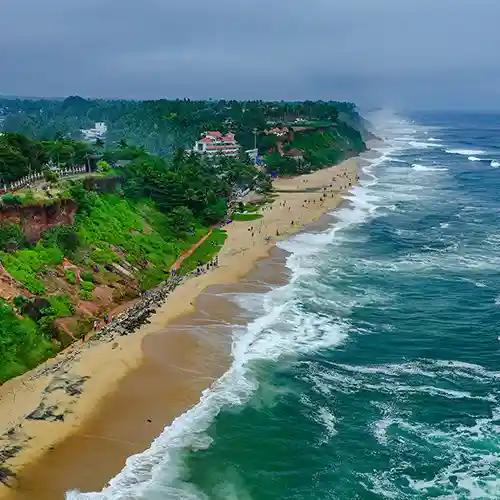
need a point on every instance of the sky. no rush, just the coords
(406, 54)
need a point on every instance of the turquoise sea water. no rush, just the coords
(375, 373)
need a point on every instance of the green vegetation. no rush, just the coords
(206, 251)
(22, 346)
(190, 187)
(60, 306)
(26, 265)
(318, 147)
(139, 212)
(86, 289)
(162, 126)
(70, 276)
(245, 216)
(330, 146)
(64, 237)
(20, 155)
(11, 237)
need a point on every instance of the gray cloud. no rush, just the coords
(405, 53)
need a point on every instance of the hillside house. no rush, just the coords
(215, 142)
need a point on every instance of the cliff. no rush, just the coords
(36, 219)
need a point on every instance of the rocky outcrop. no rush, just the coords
(130, 320)
(36, 219)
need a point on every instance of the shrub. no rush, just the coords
(50, 176)
(182, 220)
(86, 289)
(103, 166)
(65, 237)
(60, 306)
(151, 278)
(103, 256)
(25, 265)
(19, 301)
(87, 286)
(87, 276)
(11, 199)
(21, 346)
(216, 211)
(11, 236)
(70, 276)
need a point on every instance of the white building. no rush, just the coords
(98, 132)
(215, 142)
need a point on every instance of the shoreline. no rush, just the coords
(153, 375)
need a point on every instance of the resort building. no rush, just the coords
(215, 142)
(277, 131)
(98, 132)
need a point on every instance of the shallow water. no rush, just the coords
(375, 372)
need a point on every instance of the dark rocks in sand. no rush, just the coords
(46, 413)
(7, 477)
(139, 314)
(71, 385)
(8, 452)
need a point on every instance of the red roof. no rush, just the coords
(222, 146)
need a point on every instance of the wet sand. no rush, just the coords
(140, 383)
(179, 363)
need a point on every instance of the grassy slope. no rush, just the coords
(327, 147)
(206, 251)
(115, 230)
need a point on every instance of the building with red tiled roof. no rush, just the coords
(280, 132)
(215, 142)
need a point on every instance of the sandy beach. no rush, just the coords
(77, 418)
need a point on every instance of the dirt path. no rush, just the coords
(178, 263)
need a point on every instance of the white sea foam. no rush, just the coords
(495, 163)
(466, 152)
(327, 419)
(282, 330)
(159, 468)
(426, 168)
(423, 145)
(474, 158)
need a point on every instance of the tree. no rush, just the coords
(13, 165)
(182, 220)
(103, 166)
(11, 236)
(65, 237)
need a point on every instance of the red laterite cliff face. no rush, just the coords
(35, 219)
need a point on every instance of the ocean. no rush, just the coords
(374, 372)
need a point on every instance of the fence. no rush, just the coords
(28, 179)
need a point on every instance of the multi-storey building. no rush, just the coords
(215, 142)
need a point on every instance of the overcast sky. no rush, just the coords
(414, 54)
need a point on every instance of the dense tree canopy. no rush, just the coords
(161, 126)
(20, 155)
(201, 185)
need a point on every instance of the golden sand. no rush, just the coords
(139, 383)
